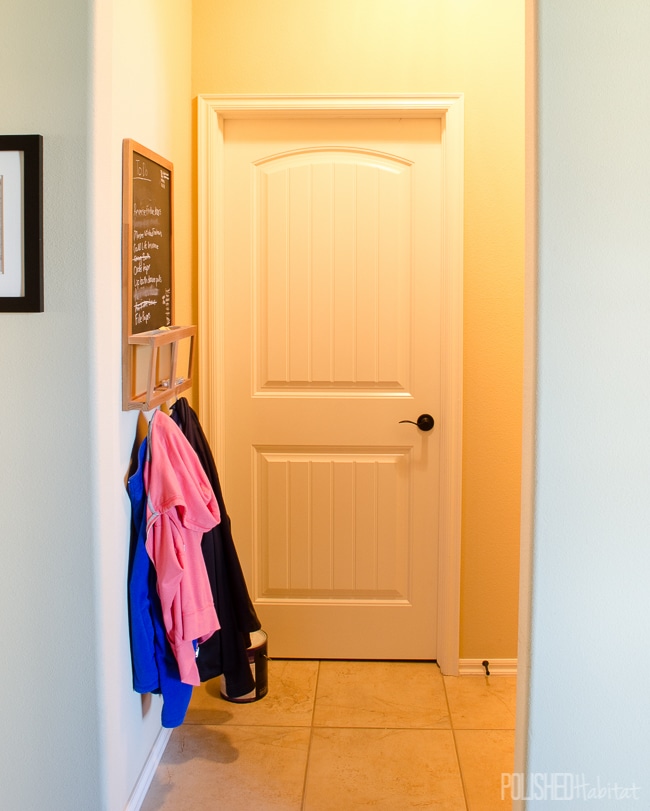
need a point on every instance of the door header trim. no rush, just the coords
(328, 106)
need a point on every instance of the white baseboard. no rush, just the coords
(146, 775)
(497, 667)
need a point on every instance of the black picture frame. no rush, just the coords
(21, 224)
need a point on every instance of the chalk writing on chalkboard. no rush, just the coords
(150, 284)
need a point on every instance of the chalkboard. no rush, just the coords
(147, 239)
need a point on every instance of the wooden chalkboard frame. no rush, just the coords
(148, 277)
(142, 168)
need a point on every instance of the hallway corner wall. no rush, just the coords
(589, 658)
(142, 51)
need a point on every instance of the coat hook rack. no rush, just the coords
(159, 389)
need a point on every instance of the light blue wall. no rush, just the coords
(73, 734)
(49, 713)
(591, 556)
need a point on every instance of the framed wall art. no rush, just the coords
(21, 223)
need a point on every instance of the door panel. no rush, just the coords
(332, 336)
(332, 524)
(332, 270)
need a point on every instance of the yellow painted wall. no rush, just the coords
(421, 46)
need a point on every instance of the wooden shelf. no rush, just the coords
(157, 391)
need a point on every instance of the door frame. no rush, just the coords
(212, 112)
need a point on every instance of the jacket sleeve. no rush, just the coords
(166, 550)
(145, 671)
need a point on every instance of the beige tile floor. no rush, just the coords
(343, 736)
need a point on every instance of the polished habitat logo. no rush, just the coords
(563, 787)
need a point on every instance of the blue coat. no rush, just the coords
(154, 666)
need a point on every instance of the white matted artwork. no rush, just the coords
(2, 264)
(12, 274)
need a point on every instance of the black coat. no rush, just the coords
(226, 650)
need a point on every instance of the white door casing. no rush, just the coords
(446, 111)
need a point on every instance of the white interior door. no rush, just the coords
(332, 288)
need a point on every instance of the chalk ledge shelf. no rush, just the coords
(158, 390)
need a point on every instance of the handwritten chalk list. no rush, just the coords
(151, 245)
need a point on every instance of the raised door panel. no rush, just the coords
(333, 271)
(332, 525)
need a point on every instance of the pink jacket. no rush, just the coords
(181, 506)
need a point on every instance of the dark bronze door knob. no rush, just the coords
(425, 422)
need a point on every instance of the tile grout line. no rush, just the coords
(453, 734)
(311, 735)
